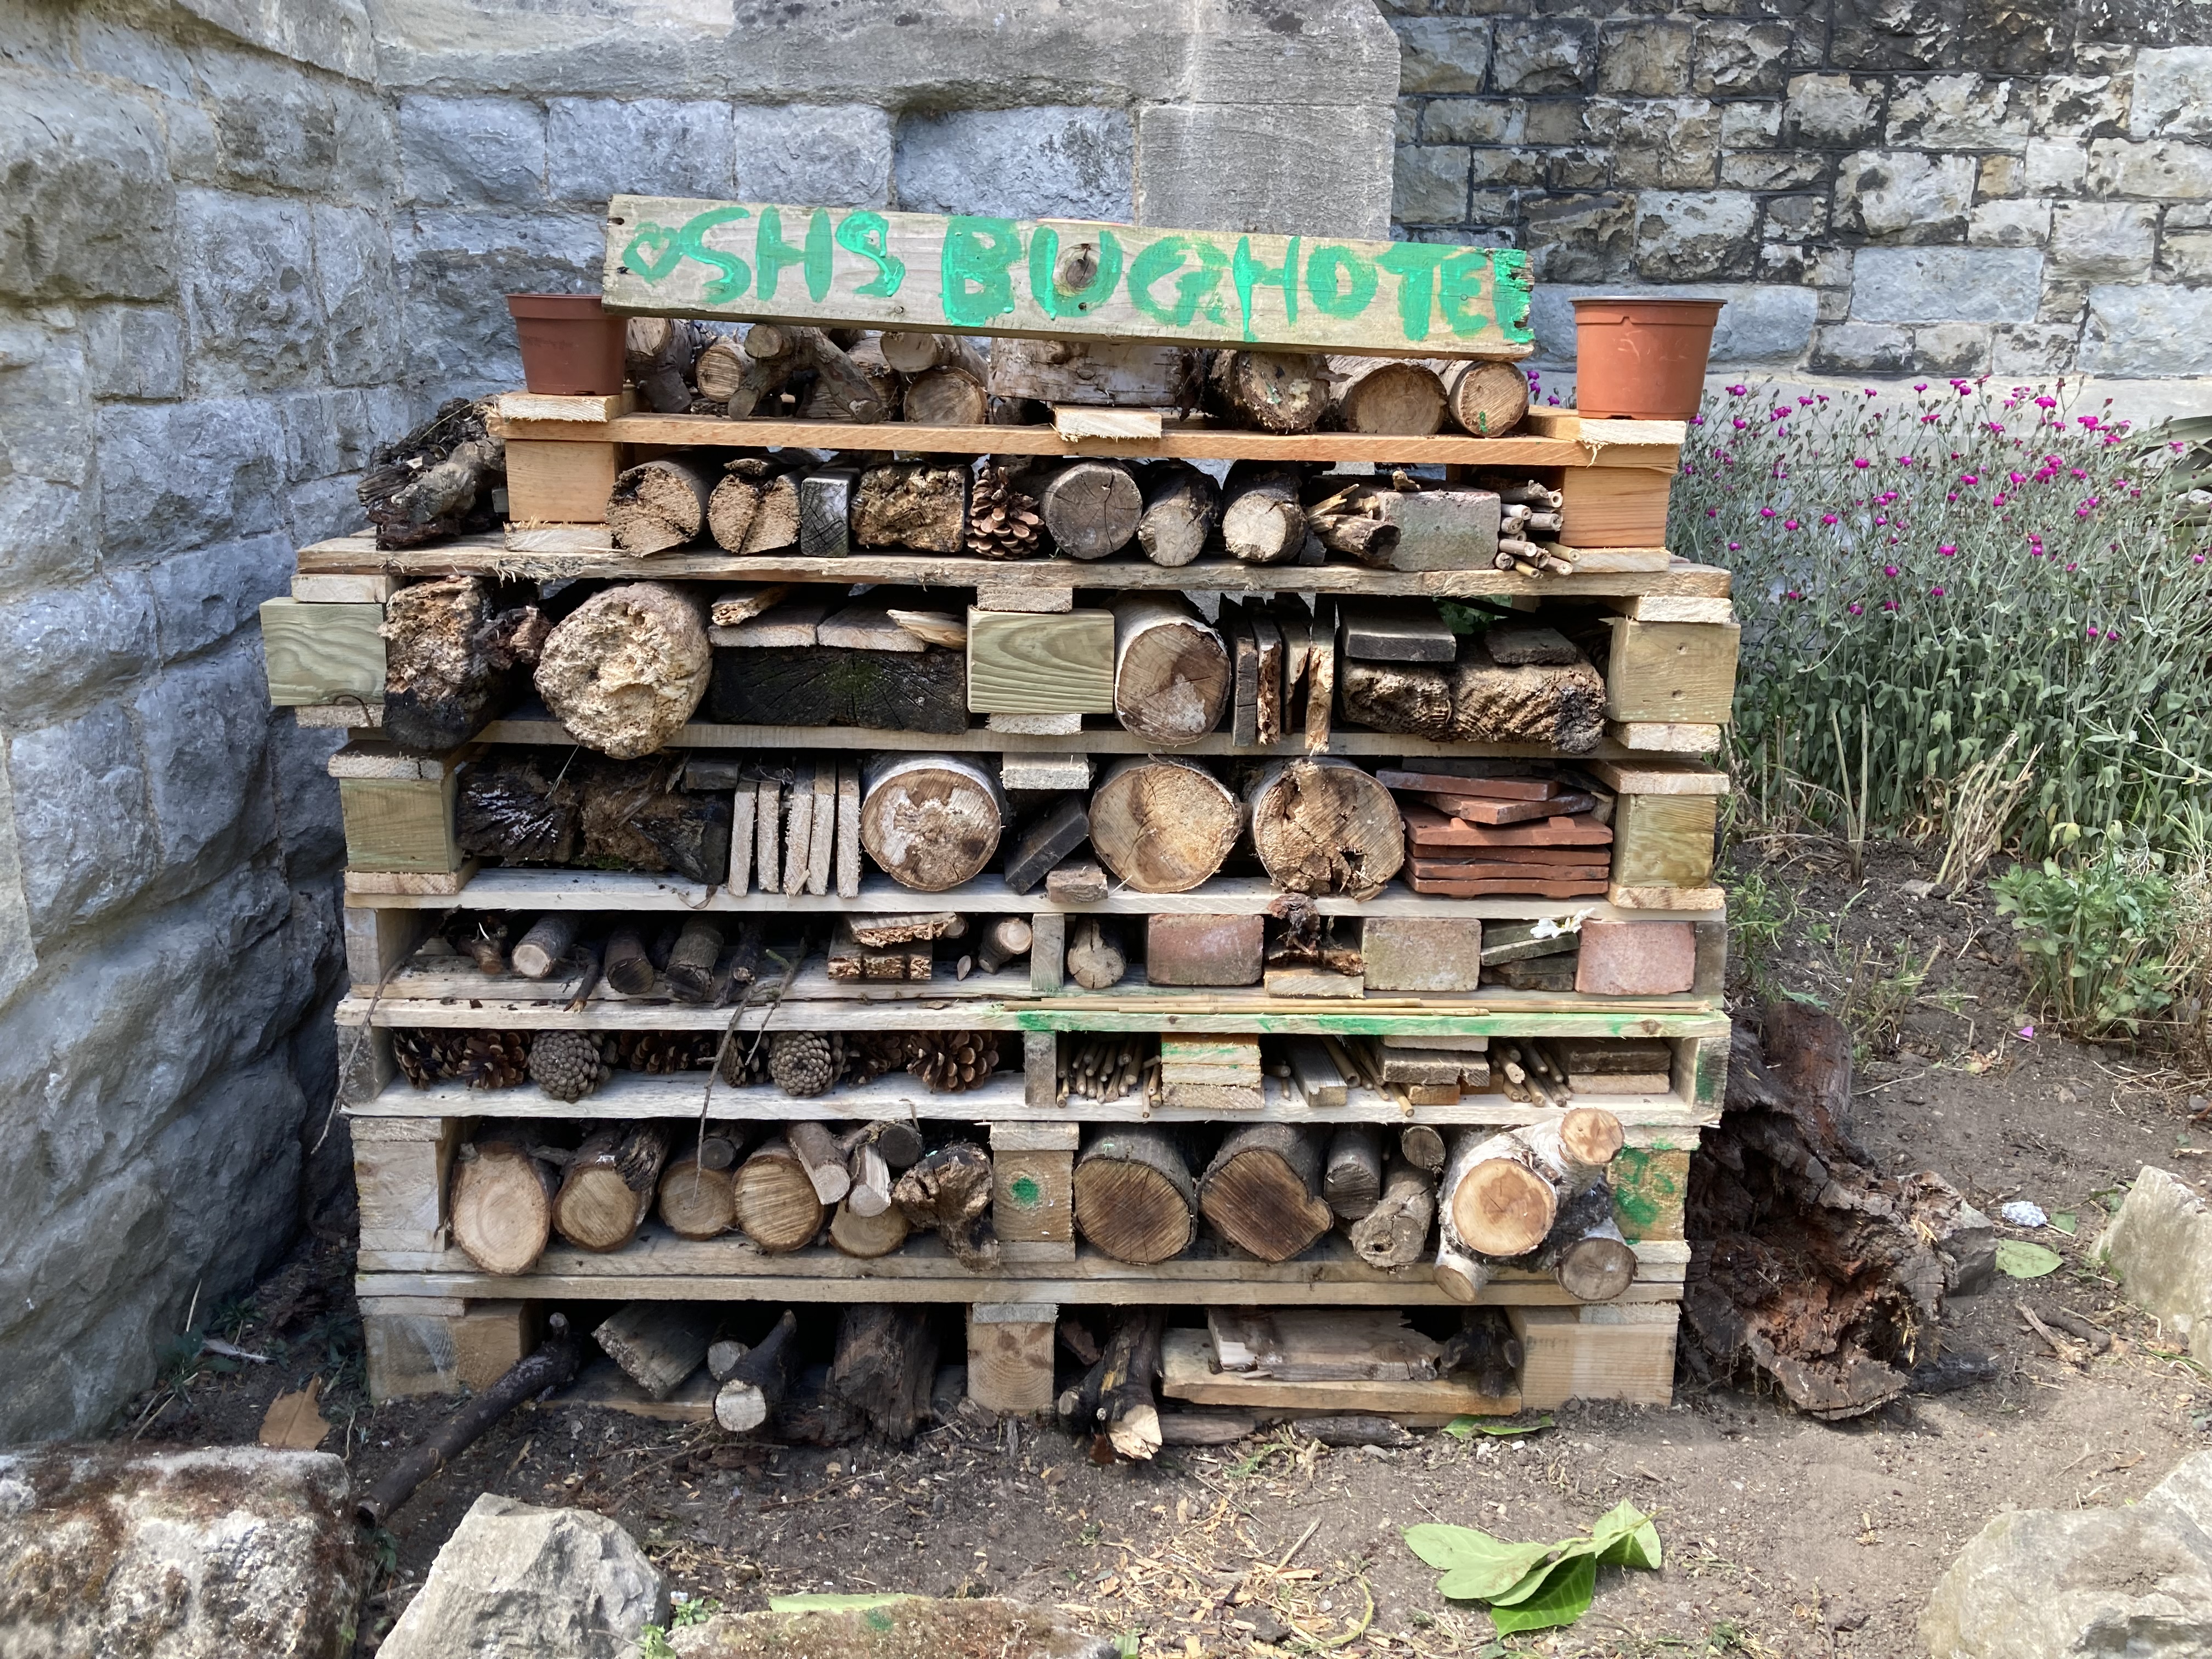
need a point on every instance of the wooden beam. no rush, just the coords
(1061, 278)
(1031, 662)
(550, 483)
(322, 653)
(1664, 840)
(1674, 673)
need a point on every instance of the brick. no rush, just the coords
(1635, 958)
(1204, 949)
(1421, 953)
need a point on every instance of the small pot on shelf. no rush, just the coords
(1642, 358)
(571, 345)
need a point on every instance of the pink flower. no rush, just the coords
(2026, 1034)
(2046, 403)
(2073, 567)
(1934, 593)
(1830, 518)
(1861, 462)
(1921, 385)
(1905, 460)
(1737, 391)
(1948, 550)
(1855, 609)
(1790, 524)
(1736, 547)
(1871, 393)
(1999, 499)
(2093, 633)
(1889, 604)
(1765, 511)
(1889, 570)
(1969, 478)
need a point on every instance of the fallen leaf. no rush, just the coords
(294, 1422)
(1460, 1428)
(2065, 1221)
(2018, 1259)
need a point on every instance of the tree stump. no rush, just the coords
(502, 1201)
(1386, 396)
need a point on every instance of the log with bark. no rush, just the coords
(632, 815)
(1487, 400)
(1004, 938)
(1559, 705)
(1163, 825)
(1129, 1413)
(1352, 1173)
(949, 394)
(1090, 508)
(1806, 1261)
(1392, 397)
(1325, 826)
(626, 668)
(546, 945)
(1484, 1350)
(658, 1344)
(609, 1185)
(1135, 1195)
(1585, 1252)
(1268, 391)
(912, 505)
(930, 822)
(692, 961)
(1261, 521)
(775, 353)
(1262, 1190)
(822, 1158)
(501, 1206)
(758, 1383)
(881, 1381)
(662, 504)
(868, 1186)
(1395, 1231)
(660, 354)
(950, 1192)
(1500, 1194)
(866, 1237)
(627, 966)
(1095, 959)
(697, 1202)
(437, 480)
(1095, 372)
(850, 388)
(1171, 672)
(776, 1205)
(457, 653)
(1181, 511)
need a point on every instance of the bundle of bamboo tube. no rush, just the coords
(1106, 1066)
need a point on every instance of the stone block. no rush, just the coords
(2172, 92)
(515, 1578)
(124, 50)
(1861, 348)
(597, 148)
(1903, 196)
(1945, 284)
(1635, 958)
(203, 724)
(180, 1552)
(133, 351)
(1317, 171)
(1552, 121)
(1474, 121)
(274, 127)
(1671, 143)
(1578, 169)
(201, 598)
(1580, 239)
(2022, 222)
(2148, 330)
(46, 425)
(1645, 58)
(83, 828)
(455, 267)
(1998, 176)
(2185, 256)
(90, 205)
(176, 474)
(367, 173)
(253, 317)
(1508, 166)
(2102, 239)
(1441, 54)
(1740, 60)
(1951, 348)
(2158, 1247)
(1832, 109)
(1774, 169)
(2054, 166)
(1956, 112)
(1684, 236)
(472, 151)
(2078, 106)
(1043, 161)
(323, 507)
(19, 954)
(838, 155)
(2033, 348)
(1763, 322)
(2164, 171)
(307, 823)
(359, 290)
(1421, 953)
(1429, 185)
(69, 646)
(1203, 950)
(1750, 125)
(1794, 217)
(1556, 55)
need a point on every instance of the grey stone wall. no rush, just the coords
(1948, 188)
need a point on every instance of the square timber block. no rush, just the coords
(1036, 663)
(553, 481)
(1600, 1351)
(1664, 840)
(1613, 506)
(1204, 949)
(322, 653)
(1421, 953)
(1033, 1190)
(401, 825)
(431, 1344)
(1671, 673)
(1010, 1355)
(399, 1171)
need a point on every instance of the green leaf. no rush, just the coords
(2019, 1259)
(1624, 1537)
(828, 1603)
(1564, 1597)
(2065, 1221)
(1476, 1566)
(1461, 1428)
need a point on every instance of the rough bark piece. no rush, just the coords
(1261, 522)
(1126, 1409)
(1107, 374)
(1262, 1192)
(758, 1385)
(609, 1185)
(880, 1380)
(657, 1344)
(930, 822)
(1181, 510)
(1079, 881)
(1385, 395)
(697, 1201)
(776, 1204)
(1562, 707)
(1163, 825)
(546, 945)
(1269, 390)
(822, 1158)
(1410, 700)
(914, 505)
(1324, 826)
(950, 1191)
(775, 521)
(1171, 671)
(502, 1205)
(633, 817)
(661, 504)
(946, 396)
(438, 479)
(1395, 1231)
(1091, 508)
(626, 668)
(1486, 399)
(819, 685)
(457, 653)
(1134, 1197)
(1352, 1173)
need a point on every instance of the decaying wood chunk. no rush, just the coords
(1324, 826)
(438, 480)
(1268, 391)
(457, 653)
(626, 668)
(914, 505)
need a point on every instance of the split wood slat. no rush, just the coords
(847, 830)
(1024, 663)
(1075, 422)
(1664, 736)
(1187, 1373)
(745, 801)
(344, 590)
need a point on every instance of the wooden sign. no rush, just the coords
(859, 268)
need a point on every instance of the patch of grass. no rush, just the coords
(1759, 912)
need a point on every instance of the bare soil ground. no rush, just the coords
(1784, 1537)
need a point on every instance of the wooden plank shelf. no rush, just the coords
(529, 889)
(659, 1265)
(629, 1095)
(359, 554)
(1635, 443)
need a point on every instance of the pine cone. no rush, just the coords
(661, 1052)
(569, 1065)
(742, 1064)
(490, 1060)
(948, 1062)
(804, 1063)
(870, 1055)
(421, 1054)
(1002, 522)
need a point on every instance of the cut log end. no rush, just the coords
(1591, 1135)
(1503, 1208)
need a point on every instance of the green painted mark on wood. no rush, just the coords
(1650, 1184)
(1024, 1191)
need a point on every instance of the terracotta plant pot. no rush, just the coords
(571, 347)
(1644, 358)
